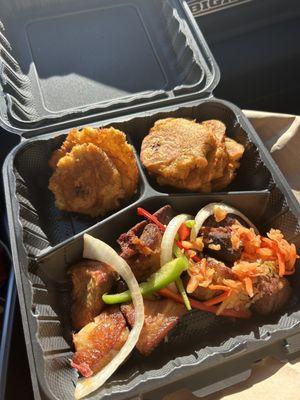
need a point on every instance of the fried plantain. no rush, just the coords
(176, 146)
(189, 155)
(113, 143)
(86, 181)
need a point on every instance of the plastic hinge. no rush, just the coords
(292, 344)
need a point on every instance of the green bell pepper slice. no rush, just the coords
(167, 274)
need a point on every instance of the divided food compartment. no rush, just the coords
(44, 225)
(202, 345)
(62, 61)
(64, 64)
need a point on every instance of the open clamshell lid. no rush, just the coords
(64, 63)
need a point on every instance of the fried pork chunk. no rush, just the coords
(90, 280)
(274, 292)
(98, 342)
(140, 246)
(160, 317)
(189, 155)
(217, 243)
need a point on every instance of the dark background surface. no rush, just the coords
(257, 47)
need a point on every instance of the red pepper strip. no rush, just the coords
(200, 306)
(150, 217)
(196, 259)
(183, 232)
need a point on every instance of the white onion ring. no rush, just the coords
(95, 249)
(208, 210)
(168, 238)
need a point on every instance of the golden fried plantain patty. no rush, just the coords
(188, 155)
(175, 146)
(109, 158)
(113, 143)
(86, 181)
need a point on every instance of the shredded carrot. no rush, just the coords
(219, 287)
(192, 284)
(281, 264)
(184, 245)
(249, 286)
(264, 252)
(217, 299)
(271, 248)
(200, 306)
(235, 241)
(219, 214)
(198, 244)
(203, 266)
(183, 232)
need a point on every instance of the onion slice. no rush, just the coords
(208, 210)
(95, 249)
(168, 238)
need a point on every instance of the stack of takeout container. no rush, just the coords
(125, 64)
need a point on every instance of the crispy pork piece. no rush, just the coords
(221, 272)
(140, 246)
(160, 317)
(217, 243)
(98, 342)
(90, 280)
(274, 293)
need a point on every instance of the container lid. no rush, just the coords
(65, 63)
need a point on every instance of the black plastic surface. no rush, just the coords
(253, 44)
(63, 60)
(8, 318)
(5, 339)
(201, 343)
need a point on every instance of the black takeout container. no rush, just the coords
(204, 353)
